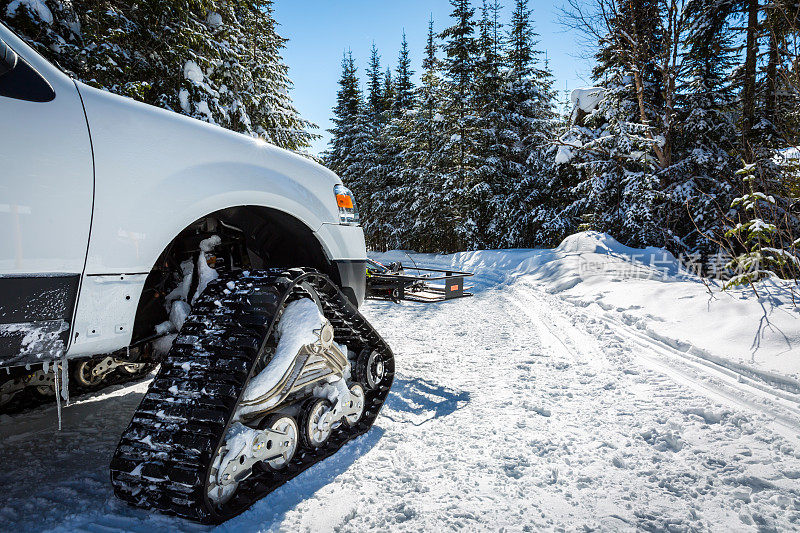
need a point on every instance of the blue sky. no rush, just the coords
(321, 30)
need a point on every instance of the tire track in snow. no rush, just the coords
(718, 383)
(757, 386)
(507, 457)
(581, 347)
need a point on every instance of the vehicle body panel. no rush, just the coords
(157, 172)
(35, 314)
(46, 191)
(106, 313)
(107, 183)
(45, 178)
(343, 242)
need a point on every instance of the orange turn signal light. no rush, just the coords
(345, 201)
(348, 212)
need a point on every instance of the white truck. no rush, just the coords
(132, 236)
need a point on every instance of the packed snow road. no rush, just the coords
(511, 410)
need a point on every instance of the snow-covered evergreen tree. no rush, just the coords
(489, 183)
(388, 93)
(377, 169)
(269, 108)
(396, 195)
(617, 186)
(351, 141)
(375, 99)
(618, 150)
(403, 86)
(458, 155)
(430, 209)
(216, 61)
(530, 210)
(698, 186)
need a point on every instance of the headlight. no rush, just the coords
(348, 212)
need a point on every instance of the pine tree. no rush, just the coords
(389, 95)
(375, 100)
(697, 186)
(459, 161)
(394, 197)
(616, 183)
(622, 148)
(376, 221)
(783, 83)
(534, 199)
(404, 87)
(635, 42)
(269, 110)
(430, 209)
(489, 184)
(350, 139)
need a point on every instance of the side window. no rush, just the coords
(19, 80)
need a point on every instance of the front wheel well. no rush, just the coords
(253, 237)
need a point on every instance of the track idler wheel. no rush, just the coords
(315, 423)
(371, 369)
(355, 406)
(85, 374)
(287, 442)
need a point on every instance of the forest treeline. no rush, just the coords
(686, 141)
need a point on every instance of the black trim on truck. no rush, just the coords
(35, 315)
(353, 279)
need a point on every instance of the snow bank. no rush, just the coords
(649, 290)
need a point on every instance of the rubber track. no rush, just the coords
(164, 456)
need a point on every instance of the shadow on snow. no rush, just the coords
(419, 396)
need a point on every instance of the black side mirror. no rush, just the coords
(8, 58)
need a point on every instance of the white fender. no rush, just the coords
(156, 172)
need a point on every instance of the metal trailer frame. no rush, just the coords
(388, 284)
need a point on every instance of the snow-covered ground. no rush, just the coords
(648, 290)
(563, 395)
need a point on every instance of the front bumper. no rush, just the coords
(344, 245)
(352, 278)
(342, 242)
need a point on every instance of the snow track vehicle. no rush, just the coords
(133, 237)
